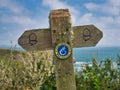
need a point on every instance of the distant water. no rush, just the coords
(85, 55)
(11, 47)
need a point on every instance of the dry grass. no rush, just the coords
(24, 70)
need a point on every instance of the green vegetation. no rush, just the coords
(100, 76)
(26, 71)
(34, 71)
(103, 76)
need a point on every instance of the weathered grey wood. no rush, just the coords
(37, 39)
(44, 38)
(86, 36)
(60, 29)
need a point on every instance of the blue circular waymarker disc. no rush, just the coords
(63, 51)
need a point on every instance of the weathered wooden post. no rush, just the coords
(58, 38)
(60, 25)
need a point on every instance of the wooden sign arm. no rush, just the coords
(83, 36)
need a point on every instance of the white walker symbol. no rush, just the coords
(63, 51)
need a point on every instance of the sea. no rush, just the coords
(85, 55)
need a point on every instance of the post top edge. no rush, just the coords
(59, 13)
(60, 10)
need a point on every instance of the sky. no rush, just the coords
(16, 16)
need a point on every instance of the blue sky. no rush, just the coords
(16, 16)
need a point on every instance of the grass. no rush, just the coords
(35, 71)
(26, 72)
(7, 53)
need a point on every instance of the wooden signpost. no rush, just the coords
(61, 37)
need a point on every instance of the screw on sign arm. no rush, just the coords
(60, 24)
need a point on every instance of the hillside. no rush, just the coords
(7, 53)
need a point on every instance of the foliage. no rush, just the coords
(34, 71)
(27, 72)
(50, 83)
(103, 76)
(99, 76)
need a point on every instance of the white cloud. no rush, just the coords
(16, 19)
(108, 21)
(91, 6)
(58, 4)
(111, 7)
(20, 20)
(14, 13)
(12, 6)
(111, 38)
(86, 19)
(108, 25)
(19, 16)
(115, 2)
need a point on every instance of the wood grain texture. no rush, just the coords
(92, 37)
(44, 38)
(60, 29)
(37, 39)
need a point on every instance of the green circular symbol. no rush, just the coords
(63, 51)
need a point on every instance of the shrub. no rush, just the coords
(103, 76)
(99, 76)
(28, 73)
(34, 71)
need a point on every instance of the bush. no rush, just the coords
(50, 83)
(103, 76)
(29, 73)
(99, 76)
(34, 71)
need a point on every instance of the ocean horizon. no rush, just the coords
(85, 55)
